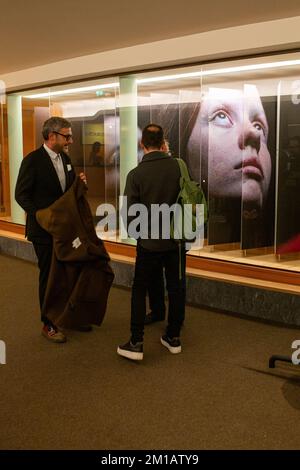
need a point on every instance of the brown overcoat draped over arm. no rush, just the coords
(80, 275)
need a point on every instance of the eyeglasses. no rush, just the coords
(66, 136)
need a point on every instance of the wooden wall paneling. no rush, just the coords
(5, 163)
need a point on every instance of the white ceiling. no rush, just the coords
(34, 32)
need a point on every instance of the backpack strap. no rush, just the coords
(183, 169)
(185, 175)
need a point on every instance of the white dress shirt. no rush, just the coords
(58, 165)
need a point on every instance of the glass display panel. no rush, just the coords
(235, 123)
(288, 194)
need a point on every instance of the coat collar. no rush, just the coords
(155, 155)
(50, 152)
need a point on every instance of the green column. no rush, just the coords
(128, 128)
(15, 152)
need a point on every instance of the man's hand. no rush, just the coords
(83, 177)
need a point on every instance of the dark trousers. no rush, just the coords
(156, 293)
(146, 265)
(44, 256)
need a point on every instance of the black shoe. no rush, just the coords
(83, 328)
(152, 318)
(173, 344)
(131, 351)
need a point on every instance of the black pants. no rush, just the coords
(156, 293)
(44, 256)
(146, 266)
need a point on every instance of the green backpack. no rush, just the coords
(190, 193)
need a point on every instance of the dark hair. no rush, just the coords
(96, 146)
(153, 136)
(54, 124)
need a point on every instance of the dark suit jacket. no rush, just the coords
(154, 181)
(38, 187)
(80, 275)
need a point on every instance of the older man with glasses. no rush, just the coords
(45, 175)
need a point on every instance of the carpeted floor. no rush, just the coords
(217, 394)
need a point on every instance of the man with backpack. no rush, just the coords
(155, 181)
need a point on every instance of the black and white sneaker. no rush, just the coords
(131, 351)
(173, 344)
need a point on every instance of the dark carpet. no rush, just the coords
(217, 394)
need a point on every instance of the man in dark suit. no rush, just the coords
(155, 181)
(45, 174)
